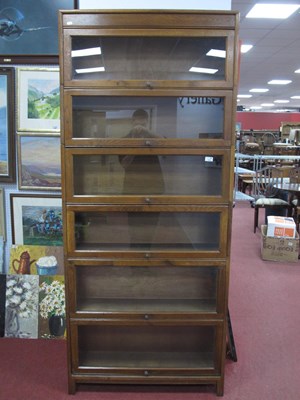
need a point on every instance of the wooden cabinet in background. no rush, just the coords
(147, 155)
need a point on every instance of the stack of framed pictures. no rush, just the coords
(30, 166)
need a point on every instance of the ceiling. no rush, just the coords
(275, 55)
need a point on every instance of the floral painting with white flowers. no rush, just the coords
(52, 307)
(21, 308)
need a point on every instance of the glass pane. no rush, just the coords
(148, 117)
(147, 231)
(148, 174)
(144, 289)
(150, 58)
(147, 346)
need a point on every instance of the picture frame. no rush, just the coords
(7, 126)
(38, 97)
(29, 31)
(36, 219)
(2, 215)
(39, 163)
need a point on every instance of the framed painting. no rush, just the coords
(7, 126)
(40, 260)
(21, 317)
(52, 313)
(36, 219)
(29, 30)
(38, 100)
(39, 165)
(2, 215)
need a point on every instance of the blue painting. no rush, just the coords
(30, 27)
(3, 126)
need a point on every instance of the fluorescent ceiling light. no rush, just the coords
(244, 96)
(89, 70)
(256, 108)
(279, 82)
(297, 71)
(216, 53)
(280, 11)
(258, 90)
(267, 104)
(86, 52)
(281, 101)
(203, 70)
(246, 47)
(295, 97)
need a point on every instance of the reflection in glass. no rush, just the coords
(147, 231)
(187, 117)
(165, 289)
(147, 346)
(154, 58)
(148, 174)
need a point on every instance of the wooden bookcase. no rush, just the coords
(147, 202)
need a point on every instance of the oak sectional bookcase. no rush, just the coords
(147, 159)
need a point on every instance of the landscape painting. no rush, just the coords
(38, 99)
(36, 220)
(3, 126)
(7, 135)
(39, 162)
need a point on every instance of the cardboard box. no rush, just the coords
(279, 249)
(281, 227)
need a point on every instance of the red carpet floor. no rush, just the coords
(265, 314)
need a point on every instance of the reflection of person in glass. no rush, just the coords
(143, 176)
(143, 173)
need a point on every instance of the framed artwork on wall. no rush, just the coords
(38, 100)
(29, 30)
(7, 126)
(39, 164)
(2, 215)
(36, 219)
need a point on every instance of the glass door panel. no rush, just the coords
(148, 58)
(167, 289)
(146, 229)
(151, 118)
(144, 173)
(147, 348)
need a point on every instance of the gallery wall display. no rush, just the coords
(39, 164)
(7, 126)
(38, 100)
(28, 31)
(36, 219)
